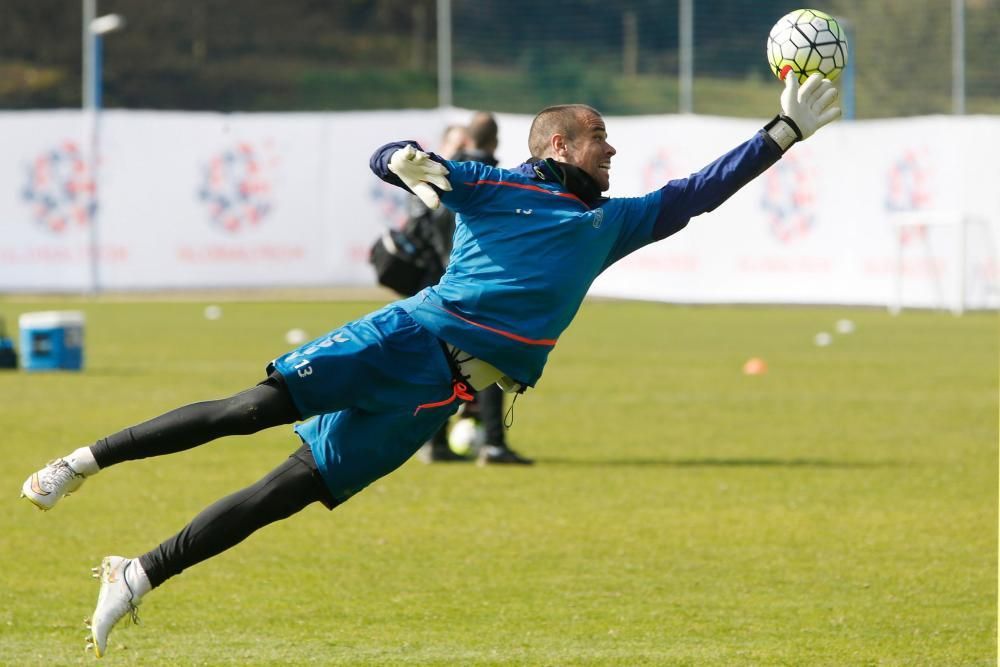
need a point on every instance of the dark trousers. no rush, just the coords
(491, 414)
(281, 493)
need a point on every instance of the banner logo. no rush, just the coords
(658, 171)
(236, 188)
(59, 189)
(908, 189)
(907, 184)
(788, 200)
(391, 203)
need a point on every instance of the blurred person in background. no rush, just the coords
(528, 244)
(480, 147)
(430, 230)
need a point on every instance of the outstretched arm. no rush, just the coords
(803, 111)
(703, 191)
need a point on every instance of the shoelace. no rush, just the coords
(133, 610)
(133, 613)
(458, 390)
(508, 418)
(456, 366)
(61, 473)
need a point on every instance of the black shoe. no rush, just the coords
(491, 454)
(431, 453)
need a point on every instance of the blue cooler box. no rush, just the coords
(52, 340)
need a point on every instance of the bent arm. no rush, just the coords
(379, 162)
(461, 193)
(705, 190)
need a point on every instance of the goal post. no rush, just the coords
(951, 297)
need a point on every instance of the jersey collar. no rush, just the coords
(571, 178)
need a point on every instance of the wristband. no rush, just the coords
(784, 131)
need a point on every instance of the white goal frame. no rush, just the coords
(948, 219)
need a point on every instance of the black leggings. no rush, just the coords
(491, 412)
(281, 493)
(266, 405)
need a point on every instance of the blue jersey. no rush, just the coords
(526, 249)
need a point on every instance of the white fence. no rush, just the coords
(194, 200)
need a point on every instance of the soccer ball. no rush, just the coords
(807, 41)
(466, 436)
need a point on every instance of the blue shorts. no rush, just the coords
(377, 389)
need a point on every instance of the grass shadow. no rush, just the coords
(723, 463)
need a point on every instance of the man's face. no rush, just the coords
(590, 150)
(452, 142)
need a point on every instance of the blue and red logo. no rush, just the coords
(60, 189)
(236, 188)
(908, 189)
(391, 202)
(658, 171)
(789, 200)
(907, 184)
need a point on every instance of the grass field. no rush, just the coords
(839, 510)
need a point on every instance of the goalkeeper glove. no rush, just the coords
(803, 110)
(418, 172)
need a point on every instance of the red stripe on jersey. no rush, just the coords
(525, 186)
(547, 342)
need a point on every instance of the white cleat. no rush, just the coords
(45, 487)
(115, 601)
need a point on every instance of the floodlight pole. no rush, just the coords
(94, 29)
(89, 14)
(848, 80)
(444, 53)
(686, 56)
(90, 133)
(958, 57)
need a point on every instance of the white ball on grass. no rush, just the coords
(845, 326)
(213, 312)
(296, 336)
(466, 436)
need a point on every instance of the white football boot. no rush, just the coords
(116, 600)
(45, 487)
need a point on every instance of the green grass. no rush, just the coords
(839, 510)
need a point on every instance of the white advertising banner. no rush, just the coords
(831, 222)
(862, 213)
(206, 200)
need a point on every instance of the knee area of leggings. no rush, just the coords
(289, 485)
(242, 409)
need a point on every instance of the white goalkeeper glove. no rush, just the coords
(418, 172)
(803, 110)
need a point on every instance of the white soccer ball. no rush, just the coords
(466, 436)
(807, 41)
